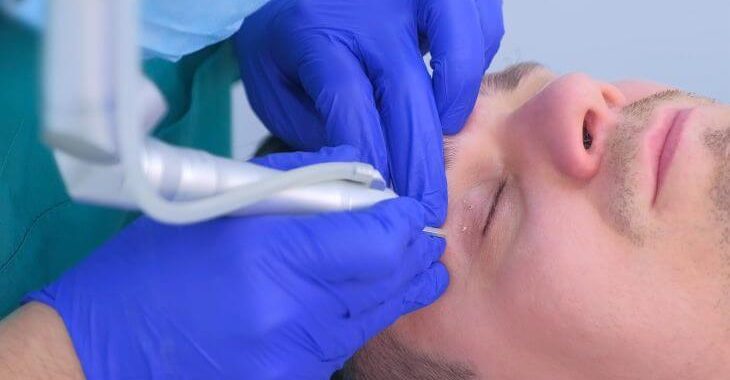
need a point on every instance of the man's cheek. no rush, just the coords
(557, 287)
(450, 323)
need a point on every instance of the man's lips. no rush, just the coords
(671, 135)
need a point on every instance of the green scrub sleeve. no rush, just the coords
(43, 232)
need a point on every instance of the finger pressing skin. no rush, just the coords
(359, 296)
(425, 289)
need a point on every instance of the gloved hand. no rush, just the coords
(332, 72)
(252, 298)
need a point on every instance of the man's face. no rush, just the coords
(588, 234)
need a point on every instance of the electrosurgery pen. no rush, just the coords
(196, 174)
(181, 174)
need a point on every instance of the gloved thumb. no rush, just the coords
(293, 160)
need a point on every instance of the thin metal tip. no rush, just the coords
(433, 231)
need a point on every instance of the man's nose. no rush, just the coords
(565, 126)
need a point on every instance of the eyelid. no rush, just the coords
(493, 207)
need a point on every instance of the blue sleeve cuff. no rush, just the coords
(46, 296)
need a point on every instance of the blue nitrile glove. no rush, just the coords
(271, 297)
(332, 72)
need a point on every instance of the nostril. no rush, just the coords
(587, 137)
(589, 121)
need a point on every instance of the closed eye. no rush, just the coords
(493, 208)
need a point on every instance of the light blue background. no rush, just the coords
(682, 43)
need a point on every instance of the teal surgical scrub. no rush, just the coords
(42, 231)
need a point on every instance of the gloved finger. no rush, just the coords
(293, 160)
(358, 296)
(412, 128)
(343, 96)
(360, 265)
(456, 42)
(492, 23)
(426, 288)
(352, 246)
(279, 103)
(423, 290)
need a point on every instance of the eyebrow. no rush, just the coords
(508, 79)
